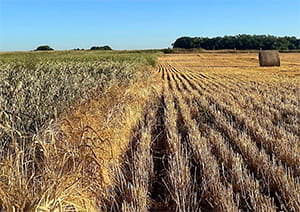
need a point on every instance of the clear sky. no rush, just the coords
(138, 24)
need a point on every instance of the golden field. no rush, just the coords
(240, 125)
(199, 132)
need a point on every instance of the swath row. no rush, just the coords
(275, 180)
(211, 142)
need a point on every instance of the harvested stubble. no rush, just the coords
(219, 138)
(234, 164)
(245, 133)
(269, 58)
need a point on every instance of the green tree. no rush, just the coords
(240, 42)
(101, 48)
(44, 48)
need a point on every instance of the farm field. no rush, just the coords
(236, 125)
(65, 118)
(197, 132)
(225, 137)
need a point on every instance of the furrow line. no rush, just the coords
(273, 175)
(222, 197)
(249, 188)
(289, 157)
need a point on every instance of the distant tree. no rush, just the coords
(293, 42)
(101, 48)
(239, 42)
(44, 48)
(184, 42)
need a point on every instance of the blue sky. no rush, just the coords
(138, 24)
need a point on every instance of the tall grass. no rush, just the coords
(47, 164)
(35, 87)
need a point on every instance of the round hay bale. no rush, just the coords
(269, 58)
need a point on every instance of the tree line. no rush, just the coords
(48, 48)
(239, 42)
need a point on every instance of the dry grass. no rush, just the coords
(65, 165)
(245, 120)
(205, 132)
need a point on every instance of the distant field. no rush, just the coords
(131, 131)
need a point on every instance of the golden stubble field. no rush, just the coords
(236, 125)
(223, 136)
(200, 132)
